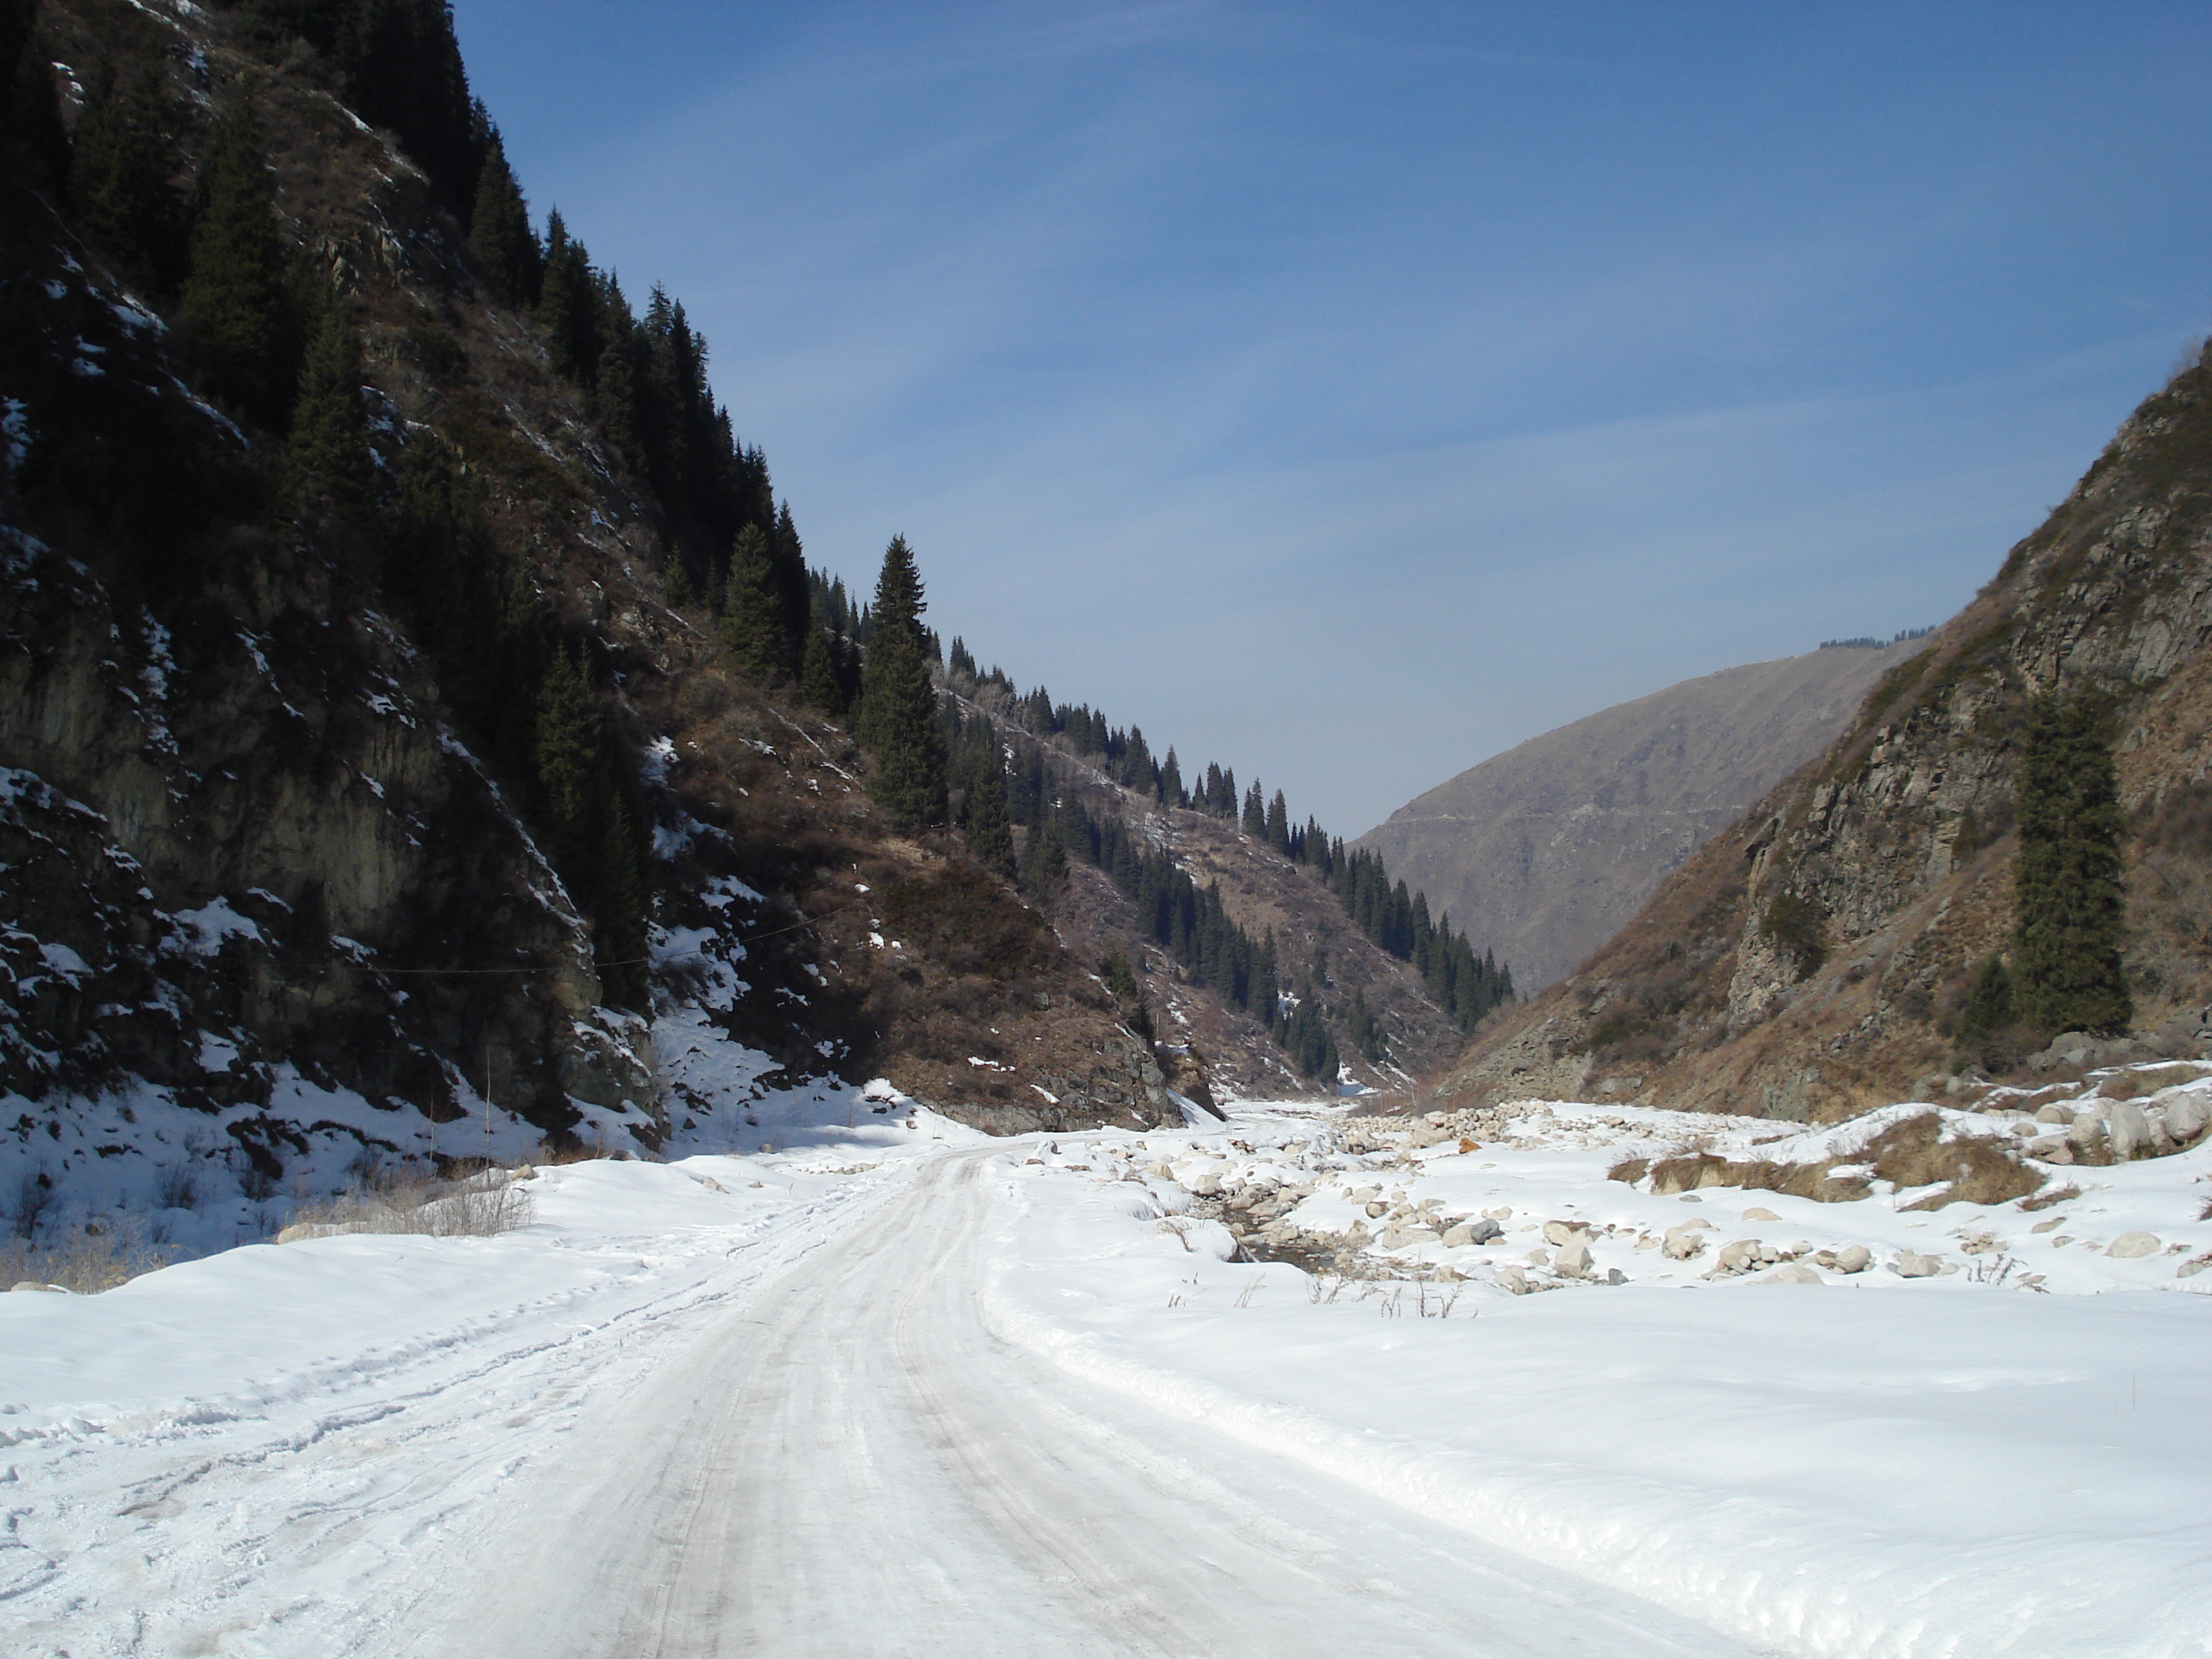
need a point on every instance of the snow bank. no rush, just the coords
(1873, 1467)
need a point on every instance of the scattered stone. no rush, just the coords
(1473, 1232)
(2049, 1226)
(2128, 1246)
(1760, 1213)
(2193, 1266)
(1741, 1253)
(1559, 1232)
(1682, 1243)
(1574, 1257)
(2128, 1129)
(1510, 1278)
(1794, 1272)
(33, 1285)
(2185, 1117)
(1854, 1259)
(1912, 1264)
(1502, 1212)
(2053, 1113)
(1614, 1276)
(2052, 1149)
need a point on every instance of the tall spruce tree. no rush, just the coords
(752, 612)
(499, 230)
(898, 701)
(119, 176)
(237, 313)
(328, 449)
(2068, 905)
(989, 829)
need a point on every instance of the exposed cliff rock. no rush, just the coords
(1806, 962)
(1550, 847)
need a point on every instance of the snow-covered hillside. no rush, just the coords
(882, 1378)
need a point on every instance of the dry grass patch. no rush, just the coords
(479, 1206)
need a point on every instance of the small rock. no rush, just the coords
(1560, 1232)
(1377, 1209)
(1473, 1232)
(1681, 1243)
(1912, 1264)
(2129, 1245)
(1793, 1272)
(2052, 1149)
(1614, 1276)
(2053, 1114)
(33, 1285)
(1574, 1257)
(1538, 1258)
(1760, 1213)
(1504, 1212)
(1448, 1275)
(1854, 1259)
(1510, 1278)
(2185, 1117)
(1741, 1253)
(2190, 1269)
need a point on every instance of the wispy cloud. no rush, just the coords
(1349, 394)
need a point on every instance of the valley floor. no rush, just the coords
(902, 1390)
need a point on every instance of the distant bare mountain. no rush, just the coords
(1542, 852)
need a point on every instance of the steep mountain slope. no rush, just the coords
(292, 879)
(1554, 844)
(273, 903)
(1808, 960)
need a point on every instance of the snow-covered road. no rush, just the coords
(895, 1389)
(853, 1464)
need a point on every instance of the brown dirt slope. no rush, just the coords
(1890, 853)
(1551, 846)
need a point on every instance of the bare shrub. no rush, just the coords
(97, 1256)
(398, 1202)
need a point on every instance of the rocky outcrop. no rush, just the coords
(1806, 962)
(1548, 849)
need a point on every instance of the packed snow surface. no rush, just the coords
(875, 1385)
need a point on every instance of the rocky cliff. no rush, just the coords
(1551, 847)
(1808, 960)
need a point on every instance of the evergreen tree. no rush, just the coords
(818, 672)
(619, 923)
(566, 742)
(787, 559)
(567, 306)
(752, 612)
(898, 701)
(614, 382)
(1044, 860)
(2069, 908)
(119, 176)
(499, 230)
(17, 18)
(329, 429)
(31, 123)
(1989, 1007)
(989, 830)
(237, 313)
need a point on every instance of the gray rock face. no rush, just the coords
(1542, 852)
(2184, 1117)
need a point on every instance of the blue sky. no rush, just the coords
(1347, 392)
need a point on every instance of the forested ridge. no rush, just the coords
(186, 210)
